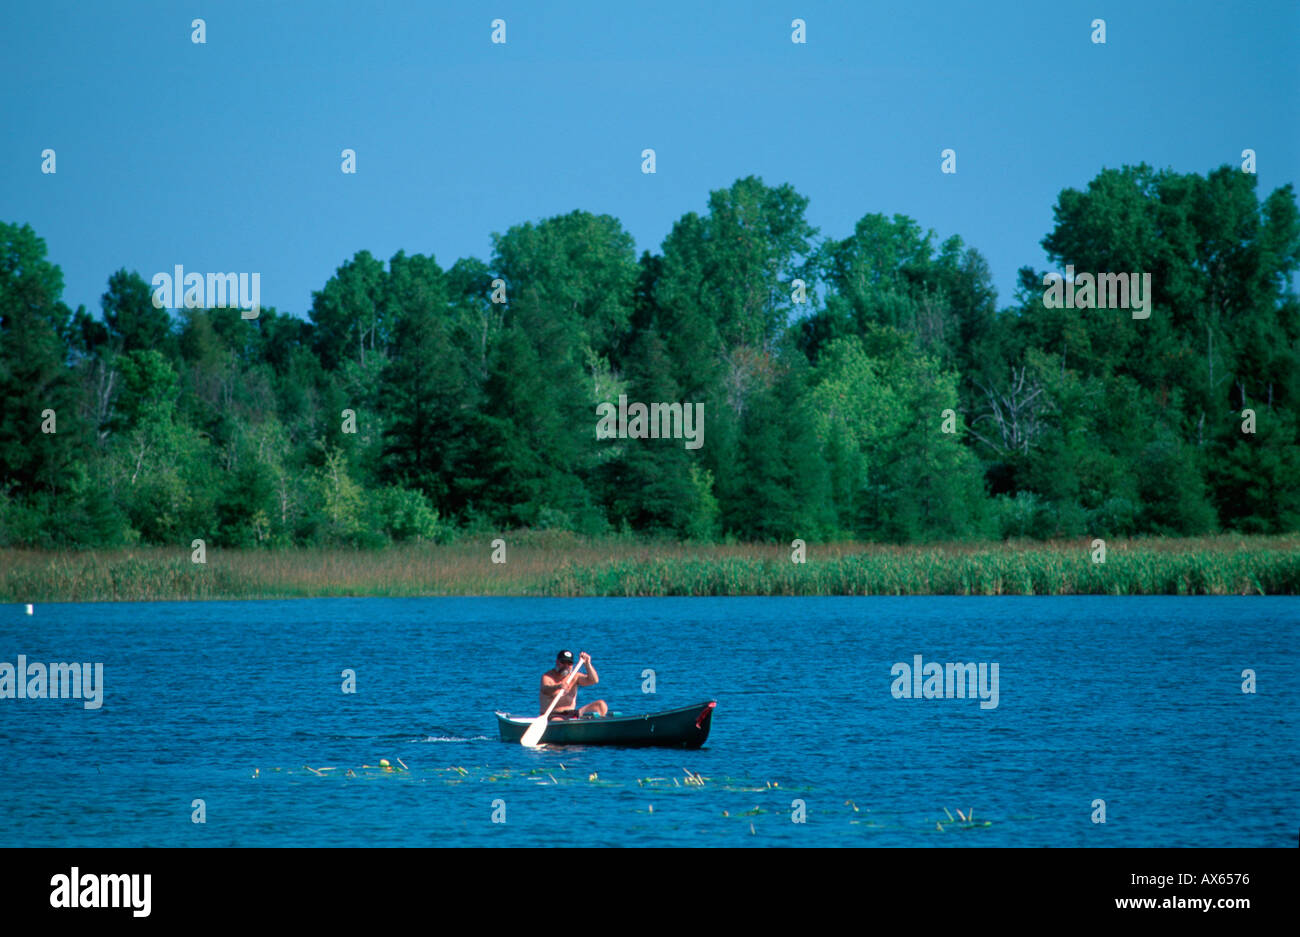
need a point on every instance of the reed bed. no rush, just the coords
(1231, 568)
(562, 565)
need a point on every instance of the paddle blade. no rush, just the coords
(535, 731)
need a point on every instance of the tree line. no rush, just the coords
(867, 387)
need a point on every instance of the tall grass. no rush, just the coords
(562, 565)
(1044, 570)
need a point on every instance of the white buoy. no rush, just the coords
(29, 608)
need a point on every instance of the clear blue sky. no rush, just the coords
(225, 156)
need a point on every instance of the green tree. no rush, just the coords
(878, 406)
(35, 381)
(780, 487)
(580, 267)
(654, 485)
(134, 322)
(431, 389)
(348, 314)
(726, 277)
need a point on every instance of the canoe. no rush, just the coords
(687, 727)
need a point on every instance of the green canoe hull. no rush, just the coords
(687, 727)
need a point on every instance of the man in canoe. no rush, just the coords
(553, 682)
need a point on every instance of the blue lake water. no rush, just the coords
(1136, 702)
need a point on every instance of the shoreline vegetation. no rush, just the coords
(547, 564)
(749, 381)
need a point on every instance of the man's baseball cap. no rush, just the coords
(566, 656)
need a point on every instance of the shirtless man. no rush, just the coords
(553, 682)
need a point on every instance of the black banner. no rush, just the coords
(369, 887)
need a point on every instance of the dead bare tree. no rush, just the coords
(99, 406)
(1016, 414)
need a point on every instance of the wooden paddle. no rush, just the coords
(534, 733)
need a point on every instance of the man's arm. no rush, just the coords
(552, 686)
(590, 678)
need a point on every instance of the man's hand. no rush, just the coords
(584, 657)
